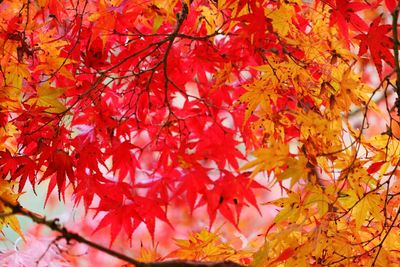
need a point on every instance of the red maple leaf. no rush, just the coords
(27, 169)
(130, 216)
(193, 184)
(60, 166)
(8, 163)
(124, 160)
(18, 167)
(344, 14)
(374, 167)
(391, 5)
(87, 187)
(231, 193)
(378, 43)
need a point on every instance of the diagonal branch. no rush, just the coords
(68, 235)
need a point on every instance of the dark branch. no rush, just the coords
(396, 55)
(68, 235)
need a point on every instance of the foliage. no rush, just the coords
(134, 109)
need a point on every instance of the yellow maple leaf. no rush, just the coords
(349, 90)
(8, 135)
(292, 208)
(54, 64)
(148, 254)
(15, 74)
(8, 218)
(281, 18)
(297, 169)
(205, 245)
(213, 18)
(48, 97)
(318, 198)
(269, 159)
(370, 203)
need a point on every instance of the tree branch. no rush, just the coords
(395, 16)
(68, 235)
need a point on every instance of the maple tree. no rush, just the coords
(149, 113)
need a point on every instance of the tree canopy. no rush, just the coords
(159, 117)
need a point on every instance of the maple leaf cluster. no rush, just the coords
(130, 108)
(129, 105)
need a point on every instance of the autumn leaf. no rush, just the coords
(297, 169)
(205, 245)
(129, 217)
(391, 5)
(49, 98)
(344, 14)
(15, 75)
(286, 254)
(268, 159)
(374, 167)
(378, 43)
(281, 18)
(291, 207)
(8, 196)
(124, 160)
(368, 204)
(231, 193)
(60, 167)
